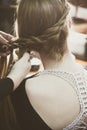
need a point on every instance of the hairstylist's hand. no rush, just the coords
(4, 38)
(20, 69)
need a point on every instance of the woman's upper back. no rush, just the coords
(57, 97)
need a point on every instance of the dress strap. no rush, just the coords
(32, 76)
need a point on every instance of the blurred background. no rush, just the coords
(8, 15)
(78, 32)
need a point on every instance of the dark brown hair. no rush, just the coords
(43, 22)
(42, 26)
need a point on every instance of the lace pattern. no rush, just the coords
(75, 79)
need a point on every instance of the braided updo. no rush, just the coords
(42, 23)
(42, 27)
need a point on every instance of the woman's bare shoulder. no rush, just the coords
(49, 90)
(48, 83)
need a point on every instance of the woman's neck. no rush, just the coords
(54, 64)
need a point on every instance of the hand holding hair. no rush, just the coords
(4, 39)
(20, 69)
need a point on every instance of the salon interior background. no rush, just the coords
(8, 15)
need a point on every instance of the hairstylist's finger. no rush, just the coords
(25, 61)
(17, 52)
(6, 35)
(2, 40)
(26, 56)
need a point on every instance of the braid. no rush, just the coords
(42, 42)
(56, 29)
(49, 34)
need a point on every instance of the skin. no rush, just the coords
(14, 75)
(49, 99)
